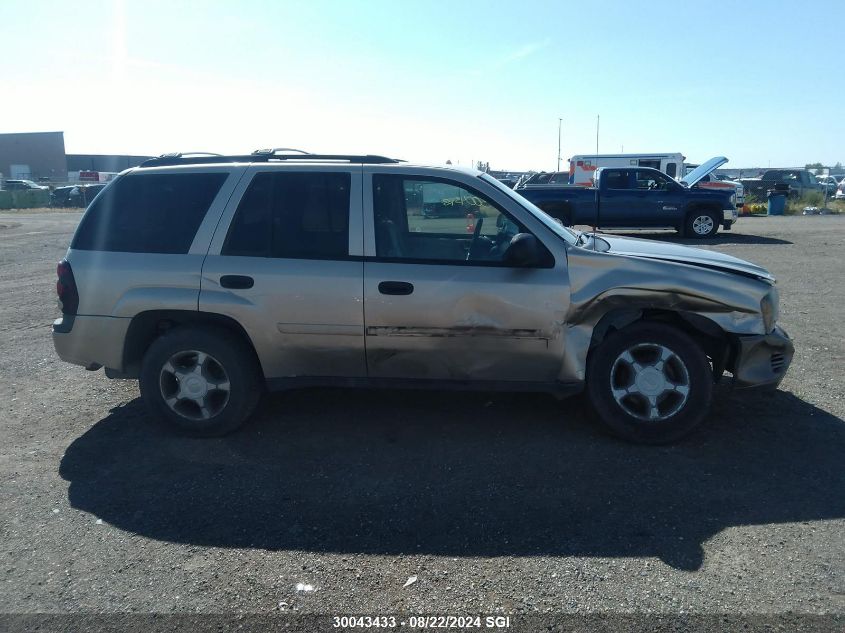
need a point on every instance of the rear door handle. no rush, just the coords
(237, 282)
(395, 288)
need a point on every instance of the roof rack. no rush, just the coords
(276, 150)
(184, 154)
(265, 156)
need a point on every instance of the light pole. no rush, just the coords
(559, 122)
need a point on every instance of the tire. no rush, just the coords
(701, 224)
(228, 382)
(625, 398)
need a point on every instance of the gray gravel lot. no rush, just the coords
(496, 503)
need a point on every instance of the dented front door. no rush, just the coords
(463, 322)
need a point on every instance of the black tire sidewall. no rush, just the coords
(690, 232)
(238, 363)
(605, 407)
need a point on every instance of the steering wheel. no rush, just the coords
(475, 235)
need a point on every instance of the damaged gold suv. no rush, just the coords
(213, 278)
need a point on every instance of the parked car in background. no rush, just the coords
(640, 197)
(74, 195)
(545, 178)
(64, 196)
(22, 185)
(796, 181)
(241, 273)
(829, 184)
(840, 190)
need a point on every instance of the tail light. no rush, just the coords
(66, 288)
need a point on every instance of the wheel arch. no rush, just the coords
(716, 344)
(701, 205)
(147, 326)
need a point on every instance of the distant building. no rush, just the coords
(40, 156)
(102, 162)
(33, 156)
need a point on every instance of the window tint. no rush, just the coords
(672, 169)
(436, 220)
(616, 179)
(148, 213)
(297, 215)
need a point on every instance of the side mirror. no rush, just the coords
(524, 251)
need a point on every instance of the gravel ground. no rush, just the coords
(496, 503)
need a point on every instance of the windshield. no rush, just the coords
(570, 236)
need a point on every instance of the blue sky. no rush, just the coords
(759, 82)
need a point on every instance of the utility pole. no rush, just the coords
(598, 120)
(559, 122)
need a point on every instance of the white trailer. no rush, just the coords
(583, 166)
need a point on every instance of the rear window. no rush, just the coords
(294, 215)
(148, 213)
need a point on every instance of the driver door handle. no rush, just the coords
(239, 282)
(395, 288)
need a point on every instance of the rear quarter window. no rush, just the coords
(148, 213)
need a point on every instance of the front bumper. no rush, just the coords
(729, 216)
(762, 361)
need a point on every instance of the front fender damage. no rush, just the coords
(603, 283)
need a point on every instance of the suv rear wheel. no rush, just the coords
(649, 383)
(203, 381)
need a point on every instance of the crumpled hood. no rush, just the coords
(652, 249)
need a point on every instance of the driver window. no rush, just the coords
(438, 220)
(651, 180)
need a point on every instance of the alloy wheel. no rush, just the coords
(194, 385)
(703, 225)
(650, 382)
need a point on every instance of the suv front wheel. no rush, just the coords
(203, 381)
(649, 383)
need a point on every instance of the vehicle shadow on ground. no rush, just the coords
(458, 475)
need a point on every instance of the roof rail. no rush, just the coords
(276, 150)
(183, 154)
(197, 158)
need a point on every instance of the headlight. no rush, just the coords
(733, 199)
(769, 310)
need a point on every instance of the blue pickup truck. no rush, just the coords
(640, 197)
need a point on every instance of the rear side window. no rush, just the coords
(616, 179)
(148, 213)
(294, 215)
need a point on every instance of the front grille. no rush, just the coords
(777, 363)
